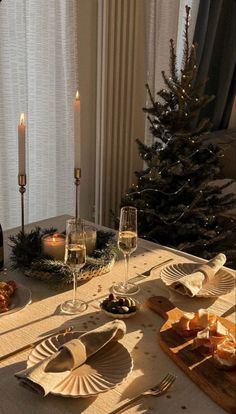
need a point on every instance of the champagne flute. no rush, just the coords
(127, 243)
(75, 257)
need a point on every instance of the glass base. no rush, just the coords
(73, 306)
(125, 289)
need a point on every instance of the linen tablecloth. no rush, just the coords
(43, 317)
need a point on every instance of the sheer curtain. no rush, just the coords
(38, 76)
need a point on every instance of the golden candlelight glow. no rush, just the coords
(22, 118)
(77, 97)
(54, 245)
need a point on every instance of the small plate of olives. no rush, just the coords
(119, 307)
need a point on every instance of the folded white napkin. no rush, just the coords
(47, 374)
(191, 284)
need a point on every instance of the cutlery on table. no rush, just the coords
(149, 271)
(34, 344)
(229, 311)
(155, 391)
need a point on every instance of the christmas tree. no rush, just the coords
(179, 202)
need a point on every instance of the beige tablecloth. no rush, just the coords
(43, 316)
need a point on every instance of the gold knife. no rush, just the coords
(34, 344)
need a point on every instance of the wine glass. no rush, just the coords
(75, 257)
(127, 243)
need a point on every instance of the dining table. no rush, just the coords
(43, 317)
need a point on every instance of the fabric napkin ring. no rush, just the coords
(77, 351)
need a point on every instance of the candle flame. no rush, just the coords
(77, 96)
(22, 118)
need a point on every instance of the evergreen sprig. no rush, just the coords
(28, 256)
(26, 247)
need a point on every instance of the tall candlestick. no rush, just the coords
(22, 189)
(21, 145)
(77, 131)
(77, 175)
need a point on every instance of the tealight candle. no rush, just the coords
(54, 245)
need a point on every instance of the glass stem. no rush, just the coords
(127, 256)
(75, 286)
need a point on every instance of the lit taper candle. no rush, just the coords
(21, 144)
(77, 149)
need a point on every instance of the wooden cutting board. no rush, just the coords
(218, 384)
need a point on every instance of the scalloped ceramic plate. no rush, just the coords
(20, 298)
(101, 372)
(221, 284)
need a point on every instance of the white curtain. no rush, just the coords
(38, 76)
(164, 21)
(120, 97)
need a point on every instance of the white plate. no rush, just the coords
(222, 283)
(20, 298)
(101, 372)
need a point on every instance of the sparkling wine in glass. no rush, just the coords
(127, 243)
(75, 257)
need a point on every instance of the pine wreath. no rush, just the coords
(27, 255)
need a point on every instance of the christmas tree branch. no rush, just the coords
(186, 42)
(150, 94)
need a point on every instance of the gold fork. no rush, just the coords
(149, 271)
(155, 391)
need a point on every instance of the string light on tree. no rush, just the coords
(155, 190)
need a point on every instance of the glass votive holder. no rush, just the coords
(54, 245)
(90, 239)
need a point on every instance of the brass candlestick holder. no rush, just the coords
(77, 176)
(22, 190)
